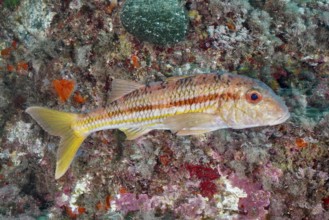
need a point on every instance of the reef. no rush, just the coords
(64, 55)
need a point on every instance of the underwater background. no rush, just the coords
(64, 55)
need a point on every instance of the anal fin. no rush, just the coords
(133, 133)
(192, 132)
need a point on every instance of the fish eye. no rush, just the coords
(254, 96)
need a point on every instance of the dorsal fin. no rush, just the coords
(122, 87)
(175, 78)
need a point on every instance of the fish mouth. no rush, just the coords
(282, 119)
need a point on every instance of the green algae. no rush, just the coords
(155, 21)
(11, 4)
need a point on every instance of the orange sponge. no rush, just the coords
(63, 88)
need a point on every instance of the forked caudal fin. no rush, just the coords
(60, 124)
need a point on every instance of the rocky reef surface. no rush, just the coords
(64, 55)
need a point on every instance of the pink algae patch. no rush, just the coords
(202, 172)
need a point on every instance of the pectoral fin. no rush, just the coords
(133, 133)
(194, 123)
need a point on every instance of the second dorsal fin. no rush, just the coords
(122, 87)
(175, 78)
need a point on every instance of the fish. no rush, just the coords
(186, 105)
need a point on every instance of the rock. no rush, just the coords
(156, 21)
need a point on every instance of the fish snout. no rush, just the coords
(282, 113)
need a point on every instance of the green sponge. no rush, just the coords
(156, 21)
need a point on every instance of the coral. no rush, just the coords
(224, 38)
(35, 18)
(275, 172)
(143, 158)
(130, 202)
(158, 22)
(195, 208)
(82, 55)
(21, 134)
(257, 200)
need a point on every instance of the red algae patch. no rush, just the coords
(206, 174)
(202, 172)
(208, 189)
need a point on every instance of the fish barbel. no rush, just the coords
(186, 105)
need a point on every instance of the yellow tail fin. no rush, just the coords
(60, 124)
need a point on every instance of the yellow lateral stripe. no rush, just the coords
(109, 122)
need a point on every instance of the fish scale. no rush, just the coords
(179, 97)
